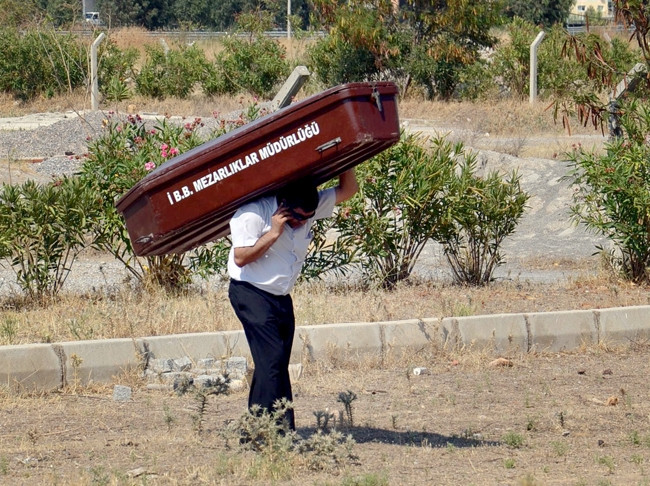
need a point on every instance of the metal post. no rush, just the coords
(94, 86)
(288, 19)
(533, 65)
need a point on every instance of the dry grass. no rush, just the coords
(129, 313)
(545, 420)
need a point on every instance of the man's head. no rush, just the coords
(301, 200)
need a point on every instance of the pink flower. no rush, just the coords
(150, 166)
(164, 154)
(164, 146)
(173, 151)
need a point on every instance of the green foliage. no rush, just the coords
(172, 73)
(511, 59)
(42, 230)
(611, 195)
(601, 67)
(541, 12)
(513, 439)
(335, 61)
(19, 13)
(445, 37)
(150, 14)
(427, 43)
(123, 155)
(485, 211)
(253, 64)
(327, 254)
(359, 45)
(401, 205)
(324, 451)
(40, 63)
(116, 68)
(412, 194)
(581, 67)
(266, 431)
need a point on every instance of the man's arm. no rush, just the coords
(348, 186)
(244, 255)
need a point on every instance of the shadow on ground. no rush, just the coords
(363, 435)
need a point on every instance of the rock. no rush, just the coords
(237, 366)
(295, 372)
(121, 393)
(137, 472)
(205, 363)
(421, 370)
(183, 364)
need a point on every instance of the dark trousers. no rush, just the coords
(269, 325)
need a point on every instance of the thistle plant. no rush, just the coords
(346, 398)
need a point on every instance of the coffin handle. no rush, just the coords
(377, 97)
(328, 145)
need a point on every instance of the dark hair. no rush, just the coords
(301, 194)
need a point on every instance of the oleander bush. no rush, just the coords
(40, 62)
(419, 191)
(43, 227)
(611, 196)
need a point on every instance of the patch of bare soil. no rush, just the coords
(580, 418)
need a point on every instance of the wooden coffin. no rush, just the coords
(189, 200)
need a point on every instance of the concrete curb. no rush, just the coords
(52, 366)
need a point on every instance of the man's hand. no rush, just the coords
(248, 254)
(278, 220)
(348, 186)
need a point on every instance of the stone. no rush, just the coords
(183, 364)
(121, 393)
(236, 366)
(295, 371)
(206, 363)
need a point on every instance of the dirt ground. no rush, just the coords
(578, 418)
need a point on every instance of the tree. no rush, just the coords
(428, 42)
(150, 14)
(544, 13)
(611, 190)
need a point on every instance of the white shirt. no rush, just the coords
(278, 269)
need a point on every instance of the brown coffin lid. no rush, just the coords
(172, 209)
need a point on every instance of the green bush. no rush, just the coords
(414, 193)
(116, 70)
(611, 192)
(255, 65)
(125, 152)
(40, 63)
(42, 230)
(568, 66)
(511, 60)
(172, 73)
(485, 211)
(401, 205)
